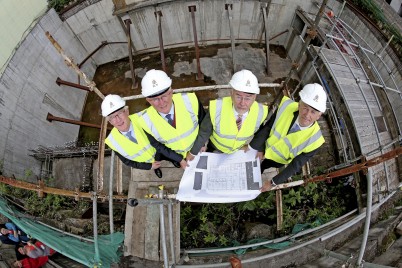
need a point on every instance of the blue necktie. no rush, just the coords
(169, 119)
(130, 137)
(294, 128)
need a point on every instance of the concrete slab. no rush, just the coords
(376, 240)
(392, 256)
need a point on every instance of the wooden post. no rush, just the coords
(279, 210)
(69, 62)
(40, 188)
(119, 181)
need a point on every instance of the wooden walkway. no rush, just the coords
(142, 230)
(362, 108)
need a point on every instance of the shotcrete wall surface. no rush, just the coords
(27, 87)
(28, 92)
(96, 24)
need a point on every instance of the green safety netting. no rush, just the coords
(69, 246)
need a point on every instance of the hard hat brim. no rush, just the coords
(159, 93)
(313, 105)
(116, 110)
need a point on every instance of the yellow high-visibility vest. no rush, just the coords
(226, 137)
(181, 138)
(282, 147)
(142, 151)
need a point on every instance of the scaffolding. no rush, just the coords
(341, 38)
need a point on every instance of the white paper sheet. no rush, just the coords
(221, 178)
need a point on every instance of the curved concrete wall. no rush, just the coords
(94, 23)
(28, 90)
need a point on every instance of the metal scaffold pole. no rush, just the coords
(311, 35)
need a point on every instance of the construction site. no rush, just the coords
(53, 137)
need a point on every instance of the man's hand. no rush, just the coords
(156, 164)
(245, 148)
(183, 164)
(190, 156)
(260, 155)
(267, 186)
(203, 149)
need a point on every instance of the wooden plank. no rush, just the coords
(356, 94)
(344, 72)
(137, 222)
(365, 131)
(119, 169)
(364, 123)
(342, 59)
(353, 96)
(366, 100)
(152, 230)
(369, 148)
(279, 210)
(361, 113)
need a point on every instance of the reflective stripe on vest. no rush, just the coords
(123, 152)
(142, 151)
(186, 110)
(298, 149)
(278, 114)
(223, 123)
(279, 145)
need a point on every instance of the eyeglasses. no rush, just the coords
(119, 114)
(245, 99)
(307, 108)
(163, 97)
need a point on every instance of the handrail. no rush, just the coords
(215, 87)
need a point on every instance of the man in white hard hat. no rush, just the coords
(132, 145)
(292, 135)
(172, 119)
(233, 120)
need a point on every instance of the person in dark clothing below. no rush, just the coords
(132, 145)
(292, 135)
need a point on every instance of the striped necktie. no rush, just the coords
(239, 121)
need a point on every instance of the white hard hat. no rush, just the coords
(154, 83)
(112, 103)
(315, 96)
(245, 81)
